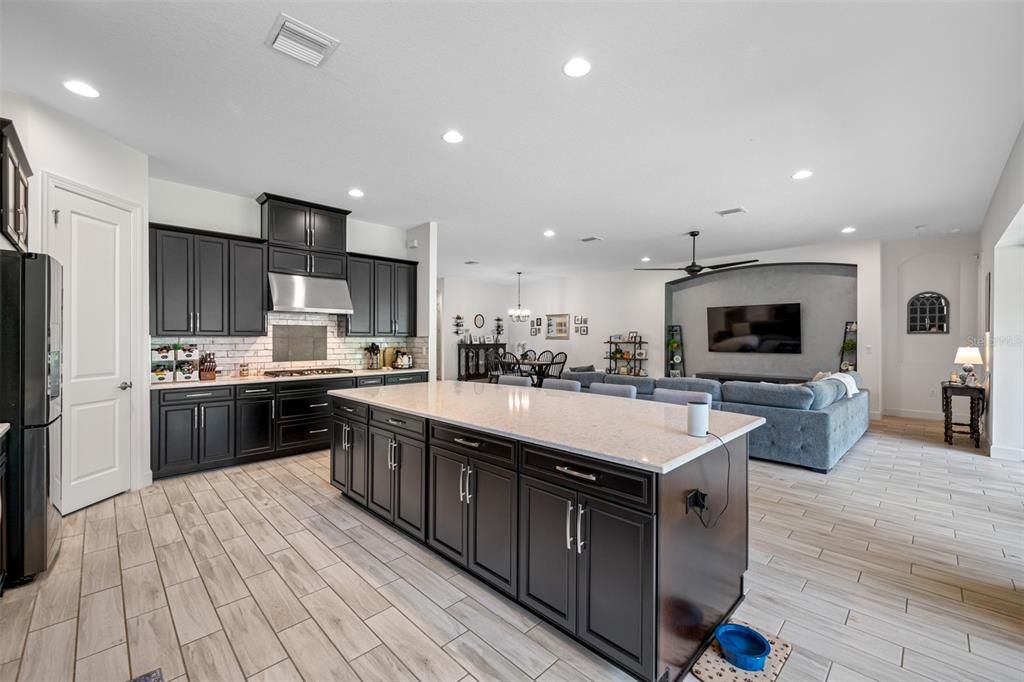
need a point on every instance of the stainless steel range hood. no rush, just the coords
(298, 294)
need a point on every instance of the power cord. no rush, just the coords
(701, 498)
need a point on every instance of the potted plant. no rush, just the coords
(849, 346)
(373, 350)
(675, 350)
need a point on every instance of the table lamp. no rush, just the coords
(967, 357)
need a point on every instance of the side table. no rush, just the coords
(977, 396)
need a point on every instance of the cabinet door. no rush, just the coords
(616, 583)
(493, 515)
(339, 453)
(255, 432)
(287, 224)
(447, 517)
(327, 265)
(360, 286)
(379, 483)
(210, 305)
(177, 447)
(410, 474)
(547, 550)
(405, 299)
(358, 462)
(289, 261)
(249, 297)
(383, 298)
(170, 281)
(327, 230)
(216, 431)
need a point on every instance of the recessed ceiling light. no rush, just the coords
(81, 88)
(452, 137)
(645, 259)
(803, 174)
(549, 233)
(848, 229)
(576, 67)
(356, 193)
(955, 230)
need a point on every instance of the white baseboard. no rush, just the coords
(875, 415)
(1003, 452)
(930, 415)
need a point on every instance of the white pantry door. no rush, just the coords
(92, 240)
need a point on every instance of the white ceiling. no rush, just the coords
(906, 112)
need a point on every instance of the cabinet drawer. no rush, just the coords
(311, 385)
(615, 483)
(416, 426)
(351, 409)
(305, 405)
(474, 443)
(392, 379)
(261, 391)
(370, 381)
(306, 433)
(197, 394)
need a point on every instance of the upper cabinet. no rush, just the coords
(14, 175)
(304, 238)
(203, 285)
(383, 297)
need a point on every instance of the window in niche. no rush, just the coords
(928, 313)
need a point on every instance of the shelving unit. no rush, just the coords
(174, 364)
(674, 332)
(634, 365)
(849, 334)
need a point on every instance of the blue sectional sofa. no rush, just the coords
(810, 425)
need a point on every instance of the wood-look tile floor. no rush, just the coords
(906, 562)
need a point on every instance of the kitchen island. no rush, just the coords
(600, 514)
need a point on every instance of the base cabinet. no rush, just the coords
(396, 481)
(254, 434)
(216, 431)
(176, 448)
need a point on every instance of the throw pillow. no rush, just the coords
(582, 368)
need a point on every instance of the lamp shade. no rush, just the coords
(968, 355)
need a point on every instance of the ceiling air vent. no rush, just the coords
(301, 41)
(587, 240)
(731, 211)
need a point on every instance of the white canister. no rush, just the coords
(697, 415)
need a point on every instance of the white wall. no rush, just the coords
(1002, 235)
(196, 207)
(914, 364)
(424, 237)
(468, 298)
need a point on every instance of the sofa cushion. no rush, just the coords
(585, 378)
(644, 385)
(825, 392)
(691, 384)
(792, 396)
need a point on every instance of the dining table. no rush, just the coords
(538, 369)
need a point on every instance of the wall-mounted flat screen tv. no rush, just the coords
(754, 328)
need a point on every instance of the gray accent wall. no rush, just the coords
(826, 292)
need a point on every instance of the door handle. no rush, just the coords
(273, 410)
(394, 455)
(568, 525)
(575, 474)
(309, 264)
(198, 395)
(462, 472)
(579, 529)
(125, 385)
(345, 443)
(469, 495)
(350, 410)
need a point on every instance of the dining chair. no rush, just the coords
(510, 364)
(509, 380)
(546, 356)
(670, 395)
(617, 390)
(558, 364)
(562, 385)
(529, 355)
(492, 364)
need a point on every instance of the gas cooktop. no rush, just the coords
(305, 371)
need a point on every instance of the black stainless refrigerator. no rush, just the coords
(31, 301)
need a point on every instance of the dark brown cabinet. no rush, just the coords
(14, 174)
(248, 302)
(547, 553)
(176, 449)
(254, 434)
(395, 479)
(216, 431)
(383, 297)
(305, 238)
(202, 285)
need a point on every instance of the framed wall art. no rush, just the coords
(558, 327)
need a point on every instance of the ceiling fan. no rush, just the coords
(695, 268)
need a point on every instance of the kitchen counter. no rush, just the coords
(636, 433)
(230, 381)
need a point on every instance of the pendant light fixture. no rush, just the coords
(519, 313)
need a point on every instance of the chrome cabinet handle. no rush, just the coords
(462, 472)
(202, 417)
(318, 431)
(568, 525)
(394, 457)
(319, 405)
(579, 529)
(468, 443)
(273, 410)
(256, 390)
(197, 321)
(390, 448)
(198, 395)
(195, 418)
(350, 410)
(397, 422)
(346, 438)
(575, 474)
(469, 495)
(309, 264)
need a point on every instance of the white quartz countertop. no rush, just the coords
(4, 428)
(229, 381)
(637, 433)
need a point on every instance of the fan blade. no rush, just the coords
(730, 265)
(661, 269)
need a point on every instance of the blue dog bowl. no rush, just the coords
(743, 647)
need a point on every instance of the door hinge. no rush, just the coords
(56, 216)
